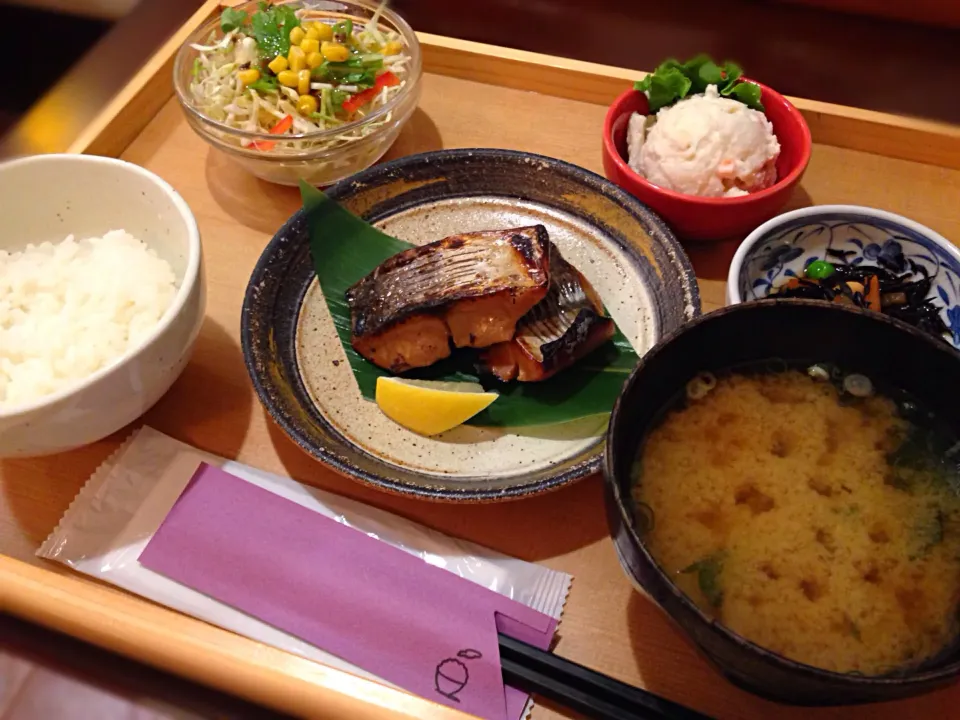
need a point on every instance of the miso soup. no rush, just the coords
(808, 514)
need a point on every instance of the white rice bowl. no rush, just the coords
(69, 309)
(94, 329)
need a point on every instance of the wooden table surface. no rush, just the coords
(606, 624)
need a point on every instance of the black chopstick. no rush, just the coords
(587, 692)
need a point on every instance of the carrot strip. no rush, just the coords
(279, 129)
(872, 293)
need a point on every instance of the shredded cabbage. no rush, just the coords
(219, 94)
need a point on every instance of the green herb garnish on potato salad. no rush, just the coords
(287, 71)
(673, 81)
(705, 134)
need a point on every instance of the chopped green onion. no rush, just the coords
(324, 100)
(196, 68)
(344, 27)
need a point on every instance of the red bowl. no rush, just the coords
(700, 218)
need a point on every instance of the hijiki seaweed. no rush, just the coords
(899, 294)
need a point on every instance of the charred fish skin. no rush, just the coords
(479, 284)
(565, 326)
(459, 267)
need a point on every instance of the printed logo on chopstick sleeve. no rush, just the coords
(452, 674)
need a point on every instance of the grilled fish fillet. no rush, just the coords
(565, 326)
(470, 288)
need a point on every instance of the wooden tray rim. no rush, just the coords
(898, 136)
(136, 628)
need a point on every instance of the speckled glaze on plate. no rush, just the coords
(304, 380)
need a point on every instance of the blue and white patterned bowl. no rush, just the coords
(782, 247)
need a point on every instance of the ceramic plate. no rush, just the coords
(301, 373)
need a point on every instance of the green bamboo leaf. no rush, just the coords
(345, 248)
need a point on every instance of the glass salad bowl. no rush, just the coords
(301, 149)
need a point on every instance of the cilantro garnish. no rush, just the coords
(673, 81)
(231, 19)
(271, 26)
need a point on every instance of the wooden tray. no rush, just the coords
(473, 96)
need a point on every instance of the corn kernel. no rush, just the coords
(310, 45)
(334, 52)
(393, 47)
(311, 32)
(323, 31)
(297, 59)
(248, 76)
(297, 35)
(278, 64)
(307, 104)
(288, 78)
(314, 59)
(303, 82)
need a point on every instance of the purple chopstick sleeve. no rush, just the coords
(415, 625)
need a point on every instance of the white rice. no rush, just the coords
(68, 309)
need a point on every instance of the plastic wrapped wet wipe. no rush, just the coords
(123, 505)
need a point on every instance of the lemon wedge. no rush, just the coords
(430, 407)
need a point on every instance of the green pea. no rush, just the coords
(819, 270)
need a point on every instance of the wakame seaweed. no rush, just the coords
(345, 248)
(926, 449)
(708, 572)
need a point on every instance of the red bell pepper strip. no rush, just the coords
(279, 129)
(354, 103)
